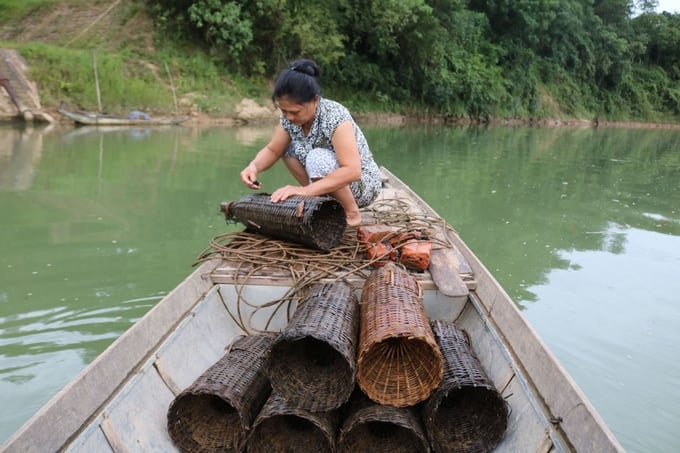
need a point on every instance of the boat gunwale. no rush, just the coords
(145, 341)
(499, 309)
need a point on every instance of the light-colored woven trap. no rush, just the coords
(313, 361)
(399, 362)
(317, 222)
(376, 428)
(215, 413)
(465, 414)
(282, 428)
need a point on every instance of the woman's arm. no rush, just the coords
(266, 157)
(349, 169)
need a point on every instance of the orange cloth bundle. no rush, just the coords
(383, 243)
(377, 249)
(372, 234)
(381, 254)
(415, 253)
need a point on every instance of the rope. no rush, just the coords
(255, 254)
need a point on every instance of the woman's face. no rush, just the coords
(296, 113)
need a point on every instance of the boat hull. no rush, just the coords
(120, 401)
(96, 119)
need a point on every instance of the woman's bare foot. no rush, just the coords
(353, 219)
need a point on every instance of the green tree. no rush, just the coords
(379, 33)
(662, 43)
(613, 12)
(518, 23)
(224, 25)
(311, 30)
(476, 58)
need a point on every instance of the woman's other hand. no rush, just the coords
(286, 192)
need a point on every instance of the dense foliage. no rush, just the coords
(608, 59)
(478, 58)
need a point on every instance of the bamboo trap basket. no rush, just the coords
(216, 412)
(465, 414)
(399, 362)
(283, 428)
(376, 428)
(317, 222)
(312, 364)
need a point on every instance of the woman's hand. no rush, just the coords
(249, 176)
(266, 157)
(286, 192)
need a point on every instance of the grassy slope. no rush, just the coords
(61, 40)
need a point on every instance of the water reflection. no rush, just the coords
(134, 132)
(20, 152)
(613, 331)
(251, 136)
(579, 225)
(518, 196)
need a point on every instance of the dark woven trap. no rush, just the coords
(317, 222)
(466, 413)
(217, 410)
(282, 428)
(376, 428)
(313, 360)
(399, 362)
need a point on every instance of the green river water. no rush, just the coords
(580, 226)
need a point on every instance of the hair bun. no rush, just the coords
(306, 66)
(299, 81)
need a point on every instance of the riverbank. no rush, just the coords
(21, 101)
(250, 113)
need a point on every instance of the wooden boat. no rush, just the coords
(131, 130)
(120, 401)
(89, 118)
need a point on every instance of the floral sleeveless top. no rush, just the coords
(329, 115)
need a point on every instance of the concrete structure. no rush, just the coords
(18, 96)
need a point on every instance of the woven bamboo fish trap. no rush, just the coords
(317, 222)
(216, 412)
(465, 414)
(312, 363)
(283, 428)
(377, 428)
(399, 362)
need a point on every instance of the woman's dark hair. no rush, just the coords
(299, 82)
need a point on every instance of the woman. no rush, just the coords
(319, 142)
